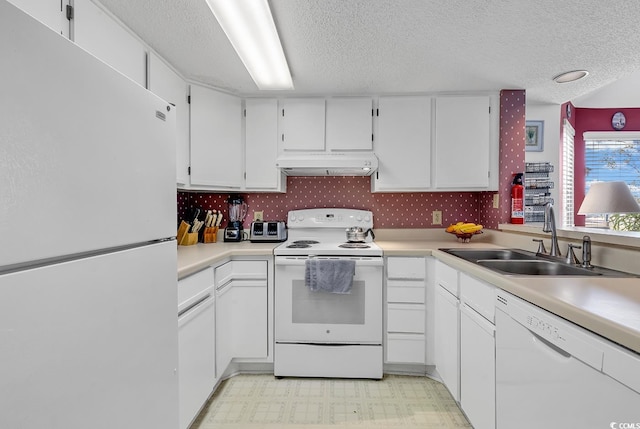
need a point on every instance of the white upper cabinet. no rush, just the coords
(166, 84)
(98, 33)
(51, 13)
(349, 124)
(216, 139)
(403, 144)
(462, 146)
(261, 146)
(302, 121)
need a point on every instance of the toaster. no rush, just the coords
(268, 232)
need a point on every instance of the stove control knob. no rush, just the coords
(359, 218)
(367, 218)
(300, 218)
(292, 218)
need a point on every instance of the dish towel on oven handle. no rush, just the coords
(329, 275)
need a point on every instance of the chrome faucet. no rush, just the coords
(550, 226)
(586, 252)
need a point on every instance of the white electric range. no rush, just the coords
(320, 333)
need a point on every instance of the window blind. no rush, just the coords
(568, 135)
(612, 159)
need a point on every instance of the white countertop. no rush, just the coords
(609, 307)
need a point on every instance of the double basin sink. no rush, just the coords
(524, 263)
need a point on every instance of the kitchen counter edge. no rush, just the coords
(192, 259)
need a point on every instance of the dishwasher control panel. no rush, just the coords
(566, 338)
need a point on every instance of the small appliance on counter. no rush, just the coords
(237, 212)
(268, 232)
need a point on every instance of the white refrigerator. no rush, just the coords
(88, 323)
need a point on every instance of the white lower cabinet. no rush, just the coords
(406, 312)
(242, 309)
(477, 352)
(465, 342)
(196, 344)
(447, 327)
(446, 340)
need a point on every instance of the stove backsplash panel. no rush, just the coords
(390, 210)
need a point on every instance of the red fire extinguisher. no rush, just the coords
(517, 200)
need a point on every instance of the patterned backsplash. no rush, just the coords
(391, 210)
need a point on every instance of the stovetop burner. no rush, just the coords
(355, 246)
(298, 246)
(307, 242)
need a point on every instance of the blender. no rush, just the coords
(237, 213)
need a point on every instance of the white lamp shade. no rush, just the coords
(609, 197)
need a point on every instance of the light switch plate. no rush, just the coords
(496, 200)
(258, 216)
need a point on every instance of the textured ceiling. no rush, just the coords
(407, 46)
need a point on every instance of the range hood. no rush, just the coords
(328, 163)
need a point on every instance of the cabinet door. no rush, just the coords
(261, 145)
(477, 369)
(349, 124)
(98, 33)
(462, 142)
(446, 340)
(196, 357)
(216, 141)
(403, 144)
(249, 319)
(50, 12)
(223, 334)
(303, 123)
(166, 84)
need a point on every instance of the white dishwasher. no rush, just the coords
(551, 373)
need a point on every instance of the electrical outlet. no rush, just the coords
(496, 200)
(437, 217)
(258, 216)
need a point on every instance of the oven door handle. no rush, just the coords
(361, 261)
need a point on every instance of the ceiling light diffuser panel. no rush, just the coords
(251, 30)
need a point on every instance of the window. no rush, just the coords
(567, 174)
(611, 157)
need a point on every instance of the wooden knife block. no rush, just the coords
(185, 238)
(211, 234)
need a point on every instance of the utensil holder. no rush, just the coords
(189, 239)
(211, 234)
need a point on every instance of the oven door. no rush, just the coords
(304, 316)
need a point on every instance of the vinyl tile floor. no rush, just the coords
(265, 402)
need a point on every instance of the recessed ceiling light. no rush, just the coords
(571, 76)
(250, 28)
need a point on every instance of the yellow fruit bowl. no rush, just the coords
(465, 237)
(464, 230)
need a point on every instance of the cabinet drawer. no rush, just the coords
(406, 348)
(405, 291)
(478, 295)
(192, 287)
(447, 277)
(406, 268)
(406, 318)
(240, 270)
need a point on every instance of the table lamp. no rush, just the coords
(607, 198)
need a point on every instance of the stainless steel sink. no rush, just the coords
(503, 254)
(517, 262)
(536, 268)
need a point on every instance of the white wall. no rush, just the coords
(550, 114)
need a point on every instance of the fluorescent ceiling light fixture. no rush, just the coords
(250, 28)
(571, 76)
